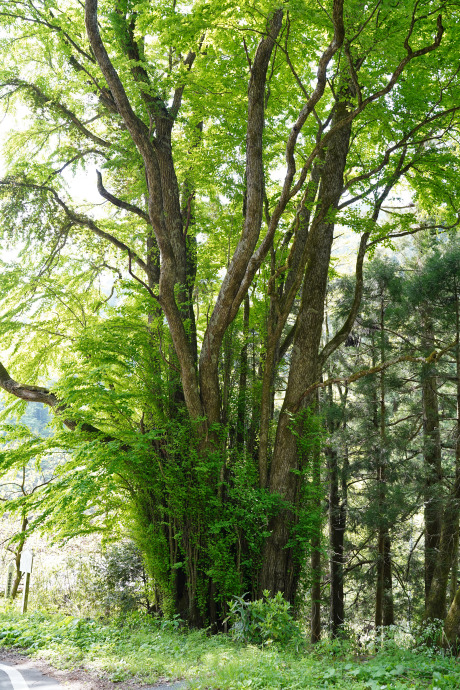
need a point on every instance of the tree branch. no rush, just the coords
(136, 127)
(78, 219)
(255, 184)
(24, 392)
(357, 111)
(432, 358)
(46, 397)
(341, 335)
(48, 102)
(118, 202)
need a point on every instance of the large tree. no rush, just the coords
(233, 140)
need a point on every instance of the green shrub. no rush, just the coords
(429, 635)
(119, 582)
(262, 621)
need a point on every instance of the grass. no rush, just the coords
(149, 650)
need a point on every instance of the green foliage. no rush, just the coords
(429, 636)
(263, 621)
(146, 649)
(118, 582)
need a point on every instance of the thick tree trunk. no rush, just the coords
(280, 308)
(280, 570)
(436, 601)
(452, 622)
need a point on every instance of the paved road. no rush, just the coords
(22, 677)
(17, 678)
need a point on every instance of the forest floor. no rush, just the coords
(140, 653)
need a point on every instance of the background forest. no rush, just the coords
(225, 394)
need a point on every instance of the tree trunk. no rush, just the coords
(454, 570)
(17, 557)
(435, 607)
(337, 523)
(280, 569)
(432, 460)
(452, 622)
(315, 620)
(384, 612)
(241, 404)
(388, 608)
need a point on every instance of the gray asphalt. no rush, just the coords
(34, 679)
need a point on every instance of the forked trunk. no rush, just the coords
(281, 558)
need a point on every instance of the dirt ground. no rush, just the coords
(79, 679)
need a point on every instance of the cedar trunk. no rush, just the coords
(452, 622)
(337, 524)
(432, 460)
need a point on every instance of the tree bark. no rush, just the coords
(337, 524)
(17, 557)
(229, 297)
(432, 459)
(242, 384)
(279, 571)
(163, 205)
(384, 612)
(316, 571)
(452, 621)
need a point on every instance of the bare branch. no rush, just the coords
(25, 392)
(149, 290)
(78, 156)
(118, 202)
(341, 335)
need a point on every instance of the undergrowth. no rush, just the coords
(148, 650)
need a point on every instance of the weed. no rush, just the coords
(146, 649)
